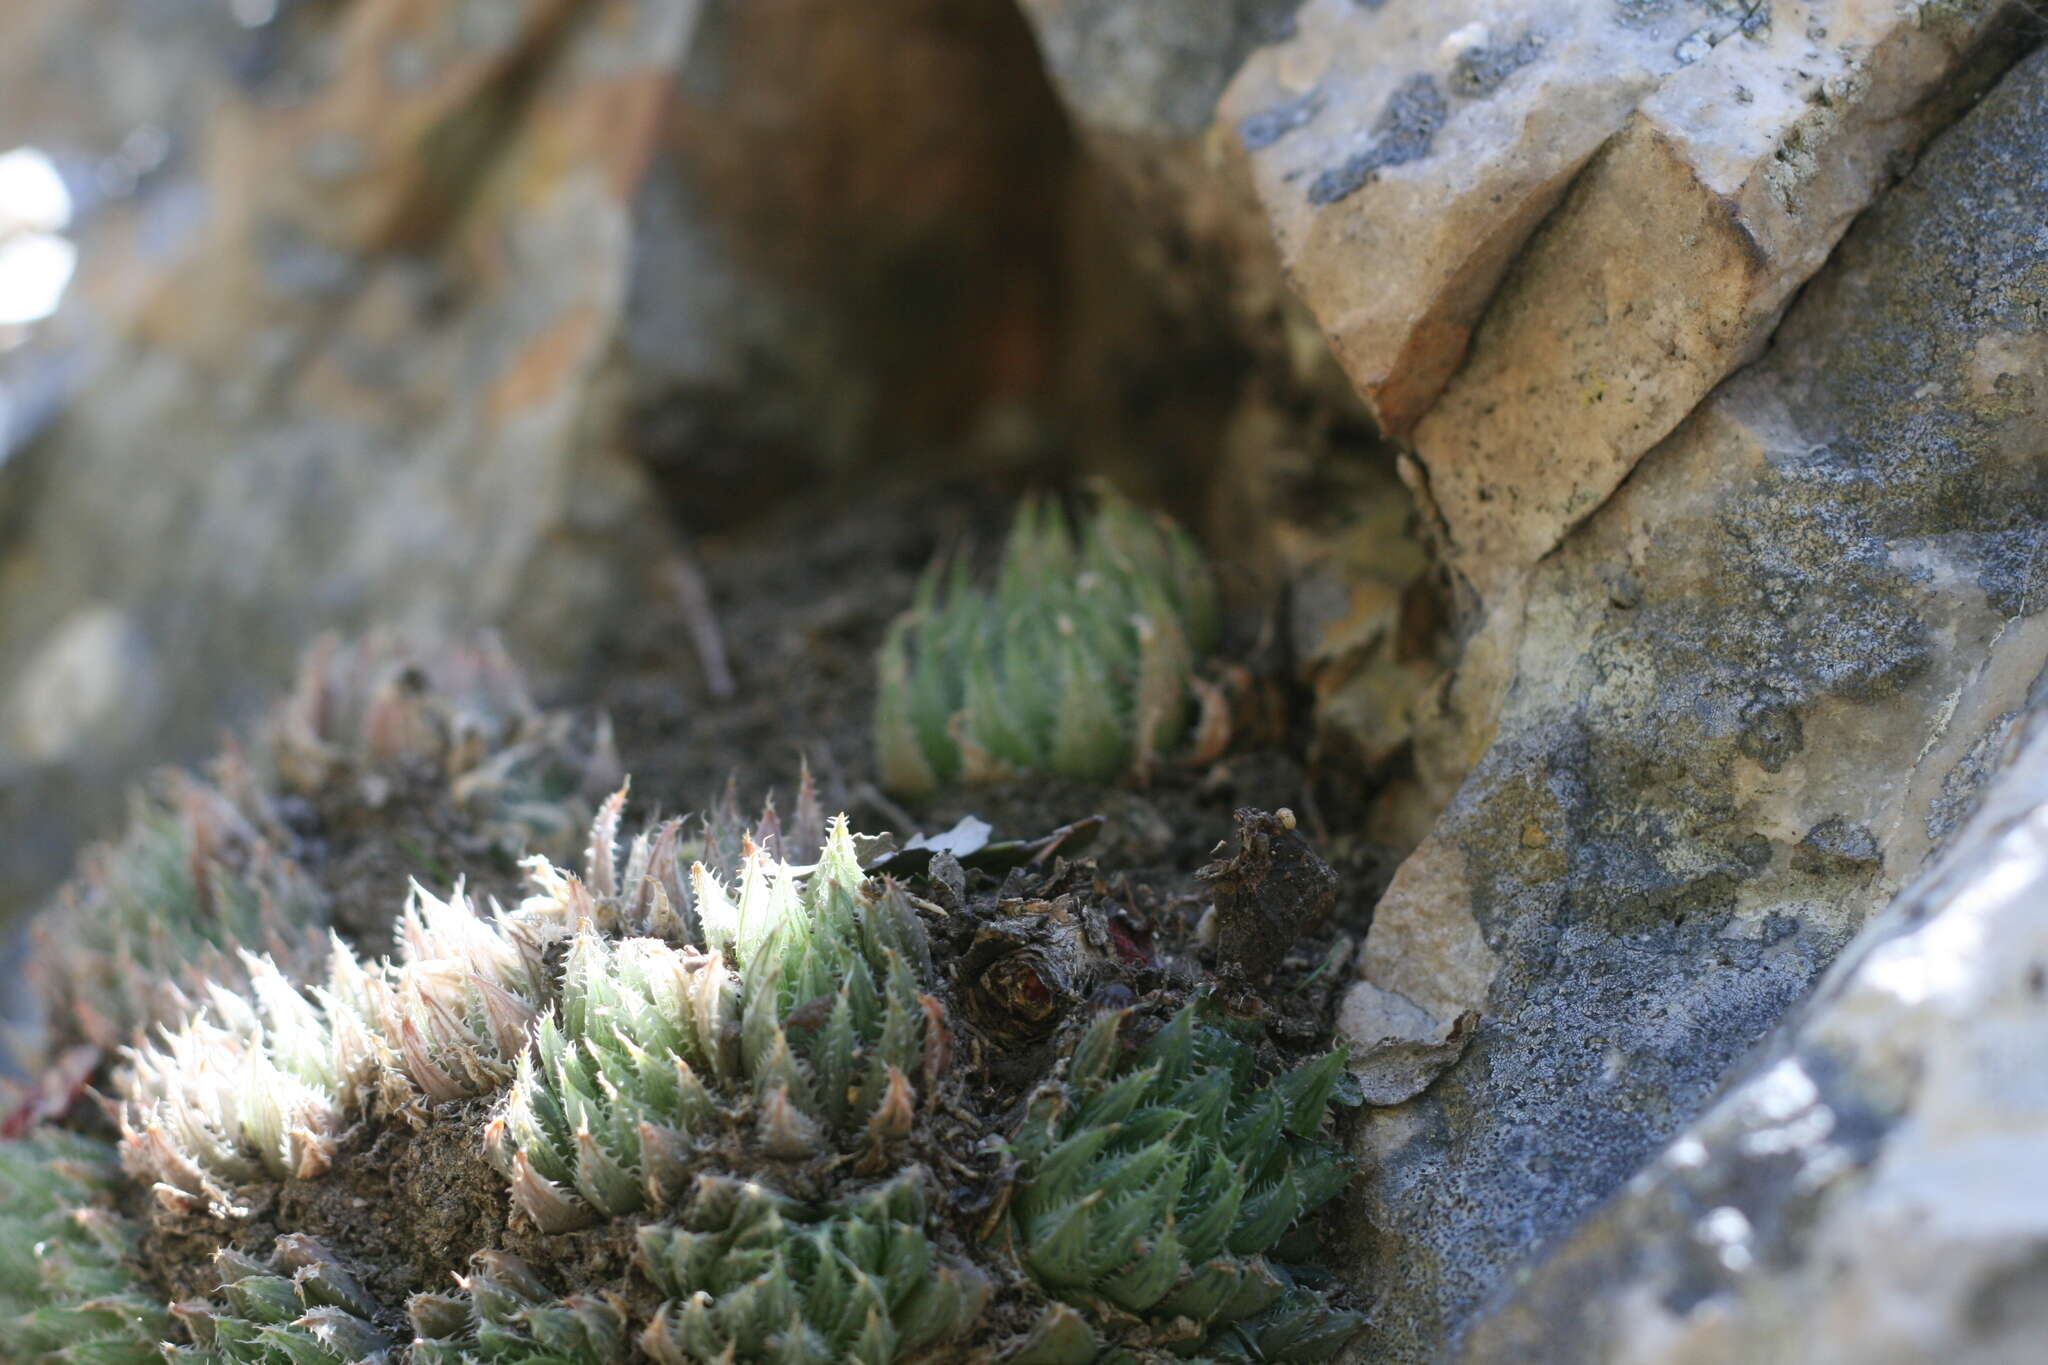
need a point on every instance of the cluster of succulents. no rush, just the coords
(363, 717)
(625, 1068)
(653, 1049)
(67, 1293)
(1078, 662)
(157, 912)
(302, 1306)
(706, 1093)
(1154, 1187)
(754, 1275)
(743, 1093)
(206, 867)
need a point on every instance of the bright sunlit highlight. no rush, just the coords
(35, 269)
(36, 263)
(32, 194)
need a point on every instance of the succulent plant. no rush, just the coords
(301, 1307)
(702, 1100)
(155, 914)
(622, 1078)
(626, 1074)
(1077, 662)
(67, 1296)
(366, 717)
(505, 1315)
(209, 867)
(1158, 1183)
(752, 1275)
(259, 1083)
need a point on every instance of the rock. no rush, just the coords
(349, 355)
(1671, 258)
(1752, 692)
(1274, 890)
(1406, 155)
(829, 272)
(92, 676)
(1356, 581)
(1867, 1191)
(1141, 80)
(1151, 68)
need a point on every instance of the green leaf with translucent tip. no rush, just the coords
(905, 763)
(1095, 1055)
(1250, 1137)
(1266, 1215)
(1145, 1281)
(1302, 1327)
(900, 1042)
(1044, 1116)
(604, 1180)
(876, 1343)
(437, 1316)
(1203, 1291)
(1260, 1287)
(890, 923)
(837, 1059)
(1121, 1224)
(1153, 1123)
(1306, 1091)
(1061, 1337)
(1001, 726)
(1127, 1171)
(327, 1283)
(1056, 1178)
(107, 1351)
(906, 1262)
(1217, 1196)
(946, 1305)
(1321, 1179)
(1115, 1101)
(1090, 742)
(1171, 1050)
(1058, 1252)
(342, 1334)
(264, 1298)
(760, 1021)
(1206, 1100)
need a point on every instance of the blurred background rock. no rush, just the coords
(443, 312)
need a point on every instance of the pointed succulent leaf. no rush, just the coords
(1075, 660)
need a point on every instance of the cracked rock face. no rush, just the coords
(1752, 693)
(1404, 153)
(1407, 155)
(1671, 257)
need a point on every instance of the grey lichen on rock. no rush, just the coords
(1863, 1192)
(1834, 571)
(1669, 260)
(1687, 164)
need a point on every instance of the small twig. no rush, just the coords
(869, 794)
(693, 595)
